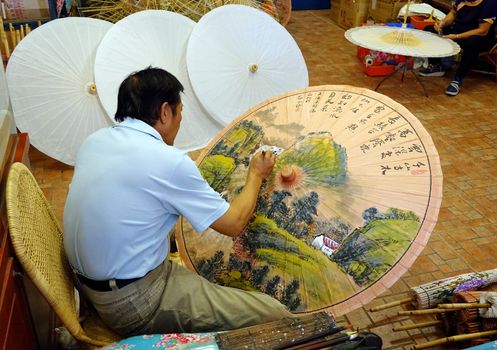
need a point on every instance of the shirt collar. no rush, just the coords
(139, 125)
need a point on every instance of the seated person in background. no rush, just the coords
(129, 188)
(472, 25)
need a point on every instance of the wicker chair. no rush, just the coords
(37, 240)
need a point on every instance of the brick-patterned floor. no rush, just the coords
(464, 129)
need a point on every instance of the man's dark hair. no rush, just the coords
(142, 94)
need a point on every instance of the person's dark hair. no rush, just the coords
(142, 94)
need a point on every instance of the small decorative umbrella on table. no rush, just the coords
(402, 41)
(354, 195)
(51, 84)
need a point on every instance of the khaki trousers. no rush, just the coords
(171, 299)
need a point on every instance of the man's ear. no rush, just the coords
(165, 112)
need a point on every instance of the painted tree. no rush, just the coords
(277, 206)
(394, 213)
(234, 263)
(372, 214)
(290, 292)
(258, 275)
(304, 209)
(210, 268)
(217, 170)
(272, 286)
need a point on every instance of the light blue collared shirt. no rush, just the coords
(128, 190)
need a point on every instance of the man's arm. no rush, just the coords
(242, 207)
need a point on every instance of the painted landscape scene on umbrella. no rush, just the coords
(278, 244)
(325, 226)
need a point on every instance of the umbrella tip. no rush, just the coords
(91, 88)
(288, 174)
(253, 67)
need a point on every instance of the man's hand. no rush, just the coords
(262, 164)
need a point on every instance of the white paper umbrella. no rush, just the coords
(402, 41)
(239, 56)
(153, 38)
(51, 85)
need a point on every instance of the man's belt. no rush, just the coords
(105, 286)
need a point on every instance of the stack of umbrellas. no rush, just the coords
(64, 76)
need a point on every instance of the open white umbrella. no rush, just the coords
(402, 41)
(153, 38)
(51, 85)
(239, 56)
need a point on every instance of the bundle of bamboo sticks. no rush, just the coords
(11, 37)
(311, 331)
(460, 317)
(430, 294)
(115, 10)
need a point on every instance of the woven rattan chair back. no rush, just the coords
(37, 240)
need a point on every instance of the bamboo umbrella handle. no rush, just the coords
(5, 41)
(12, 35)
(416, 325)
(454, 338)
(464, 306)
(404, 25)
(392, 304)
(424, 312)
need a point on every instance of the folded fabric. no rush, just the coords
(177, 341)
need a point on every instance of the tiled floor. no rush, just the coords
(464, 129)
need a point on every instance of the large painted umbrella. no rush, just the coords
(352, 200)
